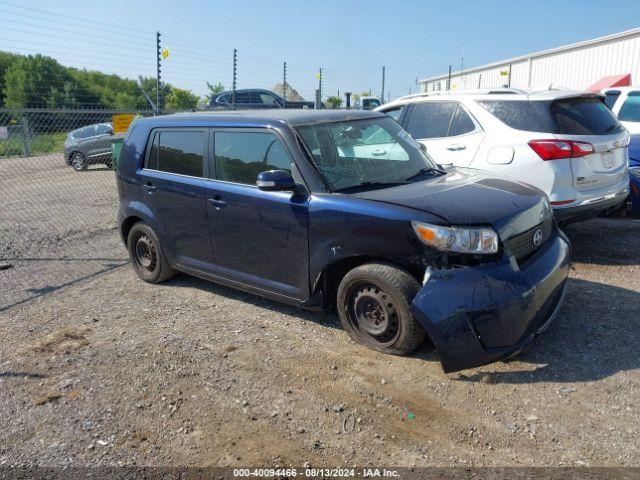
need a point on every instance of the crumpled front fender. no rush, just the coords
(476, 315)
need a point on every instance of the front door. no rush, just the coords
(173, 190)
(259, 238)
(446, 129)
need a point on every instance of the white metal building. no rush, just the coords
(576, 66)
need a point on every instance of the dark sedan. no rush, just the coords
(253, 99)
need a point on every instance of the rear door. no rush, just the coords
(588, 119)
(173, 190)
(448, 131)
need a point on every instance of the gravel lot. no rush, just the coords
(99, 368)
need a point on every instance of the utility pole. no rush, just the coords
(235, 77)
(382, 91)
(509, 76)
(449, 79)
(284, 85)
(158, 79)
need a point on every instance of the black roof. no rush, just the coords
(260, 118)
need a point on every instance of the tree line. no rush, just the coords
(38, 81)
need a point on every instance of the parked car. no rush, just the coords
(89, 145)
(370, 103)
(314, 208)
(568, 144)
(624, 102)
(634, 175)
(252, 99)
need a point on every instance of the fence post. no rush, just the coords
(158, 80)
(284, 86)
(235, 76)
(26, 136)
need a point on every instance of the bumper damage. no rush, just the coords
(477, 315)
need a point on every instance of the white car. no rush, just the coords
(624, 102)
(568, 144)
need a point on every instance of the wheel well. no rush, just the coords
(126, 226)
(333, 274)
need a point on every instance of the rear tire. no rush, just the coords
(78, 162)
(373, 303)
(146, 254)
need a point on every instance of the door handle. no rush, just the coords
(149, 187)
(456, 146)
(217, 202)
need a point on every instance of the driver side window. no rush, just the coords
(241, 156)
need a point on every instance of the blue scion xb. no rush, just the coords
(322, 208)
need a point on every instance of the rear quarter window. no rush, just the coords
(572, 116)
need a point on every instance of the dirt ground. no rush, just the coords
(98, 368)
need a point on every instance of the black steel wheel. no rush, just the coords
(374, 301)
(147, 257)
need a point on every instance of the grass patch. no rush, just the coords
(66, 338)
(40, 144)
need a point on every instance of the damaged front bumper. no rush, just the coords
(477, 315)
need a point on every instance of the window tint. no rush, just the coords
(178, 152)
(610, 98)
(630, 110)
(226, 98)
(430, 120)
(246, 97)
(572, 116)
(583, 116)
(241, 156)
(461, 123)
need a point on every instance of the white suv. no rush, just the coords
(624, 102)
(568, 144)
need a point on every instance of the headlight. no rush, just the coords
(635, 171)
(456, 239)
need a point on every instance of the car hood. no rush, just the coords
(471, 197)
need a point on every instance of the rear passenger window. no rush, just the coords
(461, 123)
(430, 120)
(241, 156)
(178, 152)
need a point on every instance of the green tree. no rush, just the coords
(334, 101)
(213, 91)
(179, 99)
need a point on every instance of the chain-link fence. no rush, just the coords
(58, 199)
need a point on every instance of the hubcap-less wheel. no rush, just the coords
(145, 253)
(373, 313)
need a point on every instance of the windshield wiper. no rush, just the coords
(610, 128)
(369, 183)
(423, 171)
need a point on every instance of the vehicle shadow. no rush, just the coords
(596, 335)
(605, 241)
(325, 318)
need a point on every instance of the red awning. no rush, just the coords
(612, 81)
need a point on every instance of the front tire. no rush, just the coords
(373, 303)
(146, 254)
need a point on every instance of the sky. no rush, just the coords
(350, 40)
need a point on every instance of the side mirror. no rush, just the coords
(275, 180)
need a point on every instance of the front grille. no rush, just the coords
(522, 245)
